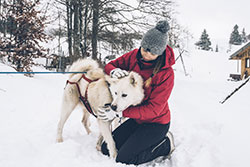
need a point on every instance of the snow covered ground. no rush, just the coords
(207, 133)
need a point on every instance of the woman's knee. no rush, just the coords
(123, 159)
(126, 158)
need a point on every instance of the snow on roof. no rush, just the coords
(235, 55)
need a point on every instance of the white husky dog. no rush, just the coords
(104, 90)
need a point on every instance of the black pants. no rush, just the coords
(139, 143)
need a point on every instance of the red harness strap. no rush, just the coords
(83, 99)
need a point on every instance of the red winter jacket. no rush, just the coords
(154, 107)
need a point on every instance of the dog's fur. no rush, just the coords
(121, 93)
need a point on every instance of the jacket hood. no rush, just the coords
(169, 57)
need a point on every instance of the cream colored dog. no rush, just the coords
(122, 93)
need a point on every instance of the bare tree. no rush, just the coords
(69, 26)
(86, 13)
(95, 28)
(114, 24)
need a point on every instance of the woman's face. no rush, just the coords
(147, 56)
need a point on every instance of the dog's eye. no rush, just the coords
(124, 95)
(115, 93)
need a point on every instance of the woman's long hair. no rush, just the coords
(156, 69)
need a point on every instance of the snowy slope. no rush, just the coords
(207, 133)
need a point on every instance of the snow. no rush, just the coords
(207, 133)
(215, 134)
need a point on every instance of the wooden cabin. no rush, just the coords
(242, 54)
(57, 62)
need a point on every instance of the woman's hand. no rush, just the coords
(107, 114)
(118, 73)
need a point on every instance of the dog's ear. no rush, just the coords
(135, 79)
(107, 83)
(132, 78)
(110, 80)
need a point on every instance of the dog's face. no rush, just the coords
(126, 91)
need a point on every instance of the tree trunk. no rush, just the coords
(80, 25)
(85, 27)
(69, 26)
(95, 28)
(76, 42)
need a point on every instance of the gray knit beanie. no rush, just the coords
(155, 39)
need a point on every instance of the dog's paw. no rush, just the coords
(59, 140)
(88, 131)
(98, 147)
(113, 154)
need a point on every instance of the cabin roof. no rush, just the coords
(235, 55)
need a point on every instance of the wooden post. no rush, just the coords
(238, 66)
(235, 91)
(182, 61)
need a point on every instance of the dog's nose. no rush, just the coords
(114, 107)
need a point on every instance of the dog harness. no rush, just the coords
(84, 99)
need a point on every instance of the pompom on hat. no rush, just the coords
(155, 39)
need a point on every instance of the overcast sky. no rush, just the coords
(218, 17)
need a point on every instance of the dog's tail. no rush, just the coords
(89, 66)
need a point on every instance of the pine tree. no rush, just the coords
(244, 36)
(204, 43)
(235, 38)
(22, 45)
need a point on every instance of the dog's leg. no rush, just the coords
(107, 135)
(99, 143)
(85, 120)
(66, 109)
(64, 116)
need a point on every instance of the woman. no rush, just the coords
(145, 135)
